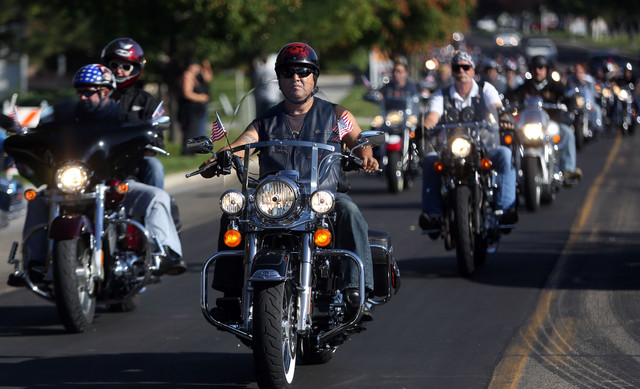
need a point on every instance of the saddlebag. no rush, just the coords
(386, 275)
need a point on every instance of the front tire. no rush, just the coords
(73, 284)
(394, 172)
(274, 335)
(532, 185)
(464, 231)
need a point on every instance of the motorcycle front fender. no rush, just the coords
(270, 266)
(70, 226)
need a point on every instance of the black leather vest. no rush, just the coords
(478, 110)
(317, 127)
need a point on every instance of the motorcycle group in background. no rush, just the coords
(592, 106)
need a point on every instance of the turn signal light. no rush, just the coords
(412, 134)
(508, 139)
(556, 139)
(438, 167)
(322, 237)
(30, 194)
(232, 238)
(122, 188)
(485, 163)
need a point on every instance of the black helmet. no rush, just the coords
(300, 54)
(539, 61)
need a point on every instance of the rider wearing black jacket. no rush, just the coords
(552, 91)
(125, 58)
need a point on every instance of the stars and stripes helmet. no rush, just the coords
(125, 50)
(94, 75)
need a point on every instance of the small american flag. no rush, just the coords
(13, 114)
(159, 111)
(343, 127)
(217, 130)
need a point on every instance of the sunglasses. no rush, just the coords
(301, 72)
(127, 67)
(540, 66)
(457, 67)
(88, 93)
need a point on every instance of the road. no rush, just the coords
(556, 307)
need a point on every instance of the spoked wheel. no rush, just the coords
(394, 172)
(74, 285)
(463, 225)
(274, 334)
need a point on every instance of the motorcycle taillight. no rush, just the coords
(133, 238)
(394, 146)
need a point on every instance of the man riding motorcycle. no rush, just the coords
(301, 116)
(542, 84)
(125, 58)
(485, 101)
(94, 85)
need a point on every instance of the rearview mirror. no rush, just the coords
(161, 122)
(200, 145)
(371, 138)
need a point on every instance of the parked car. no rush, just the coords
(541, 46)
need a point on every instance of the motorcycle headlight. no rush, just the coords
(623, 94)
(322, 202)
(616, 90)
(377, 121)
(553, 129)
(393, 118)
(72, 178)
(461, 147)
(232, 202)
(275, 198)
(533, 131)
(606, 92)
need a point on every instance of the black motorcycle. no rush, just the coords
(470, 221)
(399, 155)
(95, 252)
(277, 290)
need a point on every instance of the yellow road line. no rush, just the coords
(509, 371)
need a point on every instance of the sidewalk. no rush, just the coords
(174, 183)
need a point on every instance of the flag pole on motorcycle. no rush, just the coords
(218, 131)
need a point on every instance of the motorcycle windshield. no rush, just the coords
(312, 165)
(113, 152)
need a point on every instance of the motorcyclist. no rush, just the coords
(484, 98)
(401, 87)
(125, 58)
(302, 116)
(492, 76)
(627, 79)
(94, 85)
(552, 91)
(584, 81)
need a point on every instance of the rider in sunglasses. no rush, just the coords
(125, 58)
(485, 100)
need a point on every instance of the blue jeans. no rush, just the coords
(500, 157)
(147, 204)
(567, 148)
(151, 172)
(352, 233)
